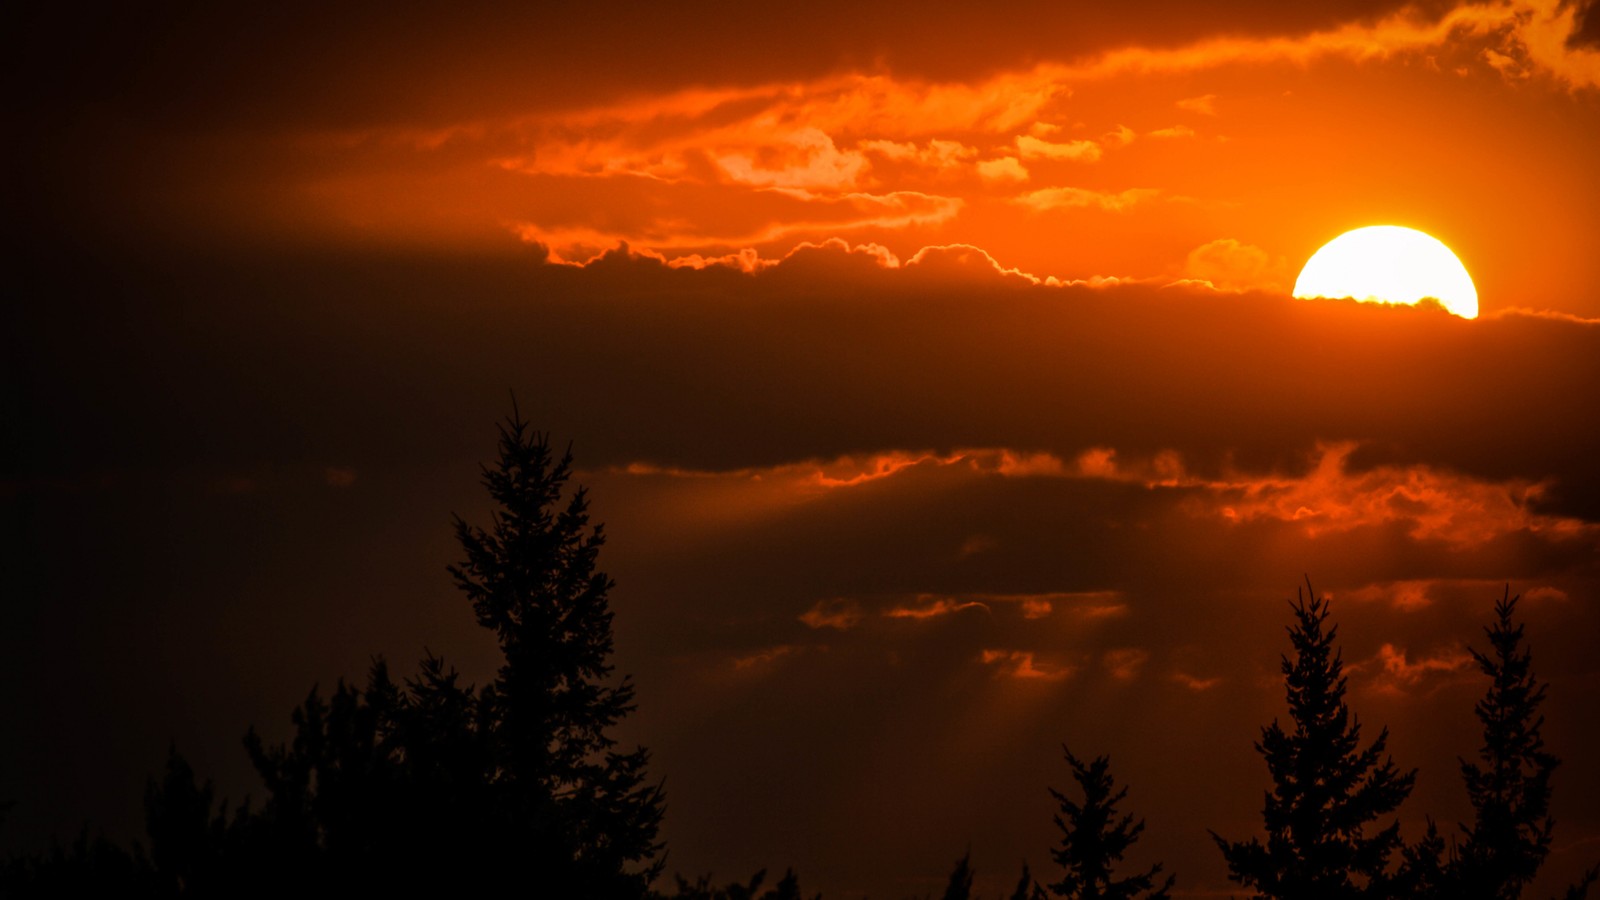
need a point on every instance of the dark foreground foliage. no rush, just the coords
(1094, 838)
(430, 787)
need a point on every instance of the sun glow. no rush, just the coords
(1389, 264)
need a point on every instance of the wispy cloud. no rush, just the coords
(1023, 665)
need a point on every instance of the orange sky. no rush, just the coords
(946, 401)
(1205, 150)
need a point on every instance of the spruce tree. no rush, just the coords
(1509, 785)
(1327, 792)
(531, 578)
(433, 787)
(436, 786)
(1027, 888)
(959, 884)
(1094, 838)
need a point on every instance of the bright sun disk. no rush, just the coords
(1389, 264)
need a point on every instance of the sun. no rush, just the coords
(1389, 264)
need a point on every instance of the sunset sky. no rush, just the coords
(935, 374)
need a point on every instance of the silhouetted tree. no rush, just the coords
(1027, 888)
(434, 786)
(1580, 889)
(194, 844)
(1426, 873)
(787, 888)
(701, 888)
(1509, 785)
(1326, 790)
(1094, 838)
(531, 579)
(89, 867)
(959, 885)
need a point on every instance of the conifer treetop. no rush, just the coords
(1327, 791)
(1095, 837)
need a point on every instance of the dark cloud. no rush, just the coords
(1588, 31)
(286, 356)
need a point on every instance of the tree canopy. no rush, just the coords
(1094, 838)
(430, 785)
(1328, 792)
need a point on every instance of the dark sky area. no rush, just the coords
(934, 420)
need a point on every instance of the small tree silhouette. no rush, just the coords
(531, 579)
(959, 885)
(1094, 839)
(434, 786)
(1509, 787)
(787, 888)
(1326, 789)
(1510, 784)
(1026, 888)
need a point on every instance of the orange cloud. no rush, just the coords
(706, 172)
(1122, 137)
(1098, 462)
(1431, 505)
(1543, 593)
(1457, 510)
(840, 614)
(1022, 664)
(1023, 465)
(1194, 683)
(1412, 595)
(844, 613)
(763, 658)
(1390, 672)
(1406, 596)
(933, 607)
(849, 472)
(804, 213)
(1002, 170)
(1085, 604)
(1036, 609)
(1071, 151)
(1083, 198)
(1537, 31)
(1229, 265)
(1125, 663)
(806, 158)
(949, 262)
(934, 154)
(1175, 131)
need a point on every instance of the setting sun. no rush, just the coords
(1389, 264)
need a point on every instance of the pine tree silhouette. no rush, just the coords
(787, 888)
(1027, 888)
(192, 845)
(1094, 839)
(432, 786)
(959, 885)
(1509, 785)
(1326, 790)
(531, 579)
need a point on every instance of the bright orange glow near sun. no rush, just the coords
(1389, 264)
